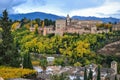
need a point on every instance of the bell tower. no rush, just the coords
(68, 20)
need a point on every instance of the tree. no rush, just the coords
(85, 74)
(82, 48)
(36, 29)
(43, 64)
(116, 77)
(15, 25)
(27, 61)
(98, 74)
(90, 77)
(8, 52)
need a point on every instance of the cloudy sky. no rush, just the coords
(98, 8)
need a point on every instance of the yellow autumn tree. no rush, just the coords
(108, 26)
(31, 45)
(43, 24)
(0, 35)
(36, 28)
(28, 25)
(15, 26)
(40, 47)
(82, 48)
(66, 51)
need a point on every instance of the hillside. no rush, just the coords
(34, 15)
(43, 15)
(109, 19)
(112, 48)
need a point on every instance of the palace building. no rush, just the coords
(69, 25)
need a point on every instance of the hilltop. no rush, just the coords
(42, 15)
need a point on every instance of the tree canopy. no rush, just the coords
(8, 52)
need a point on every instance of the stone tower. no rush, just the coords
(114, 66)
(44, 31)
(68, 20)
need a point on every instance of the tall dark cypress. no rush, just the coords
(27, 61)
(98, 74)
(36, 31)
(85, 74)
(8, 52)
(90, 77)
(116, 77)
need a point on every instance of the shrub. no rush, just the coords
(59, 61)
(43, 64)
(77, 64)
(35, 63)
(10, 72)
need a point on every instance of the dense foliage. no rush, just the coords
(37, 22)
(98, 73)
(8, 52)
(77, 49)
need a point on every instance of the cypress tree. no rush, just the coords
(36, 31)
(27, 61)
(8, 52)
(85, 74)
(115, 77)
(98, 74)
(90, 77)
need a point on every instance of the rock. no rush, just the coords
(1, 78)
(110, 49)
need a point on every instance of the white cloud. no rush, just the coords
(58, 7)
(109, 8)
(98, 8)
(45, 9)
(9, 4)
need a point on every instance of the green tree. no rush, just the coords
(98, 74)
(85, 74)
(8, 52)
(36, 30)
(90, 77)
(116, 77)
(27, 61)
(43, 64)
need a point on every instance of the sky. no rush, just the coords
(97, 8)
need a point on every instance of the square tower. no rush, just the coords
(114, 66)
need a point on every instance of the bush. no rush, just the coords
(35, 63)
(43, 64)
(10, 72)
(59, 61)
(77, 64)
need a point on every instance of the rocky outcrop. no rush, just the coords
(112, 48)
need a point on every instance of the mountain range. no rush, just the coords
(42, 16)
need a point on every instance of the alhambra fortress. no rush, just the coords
(69, 25)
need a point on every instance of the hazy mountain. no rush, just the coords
(42, 15)
(110, 19)
(34, 15)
